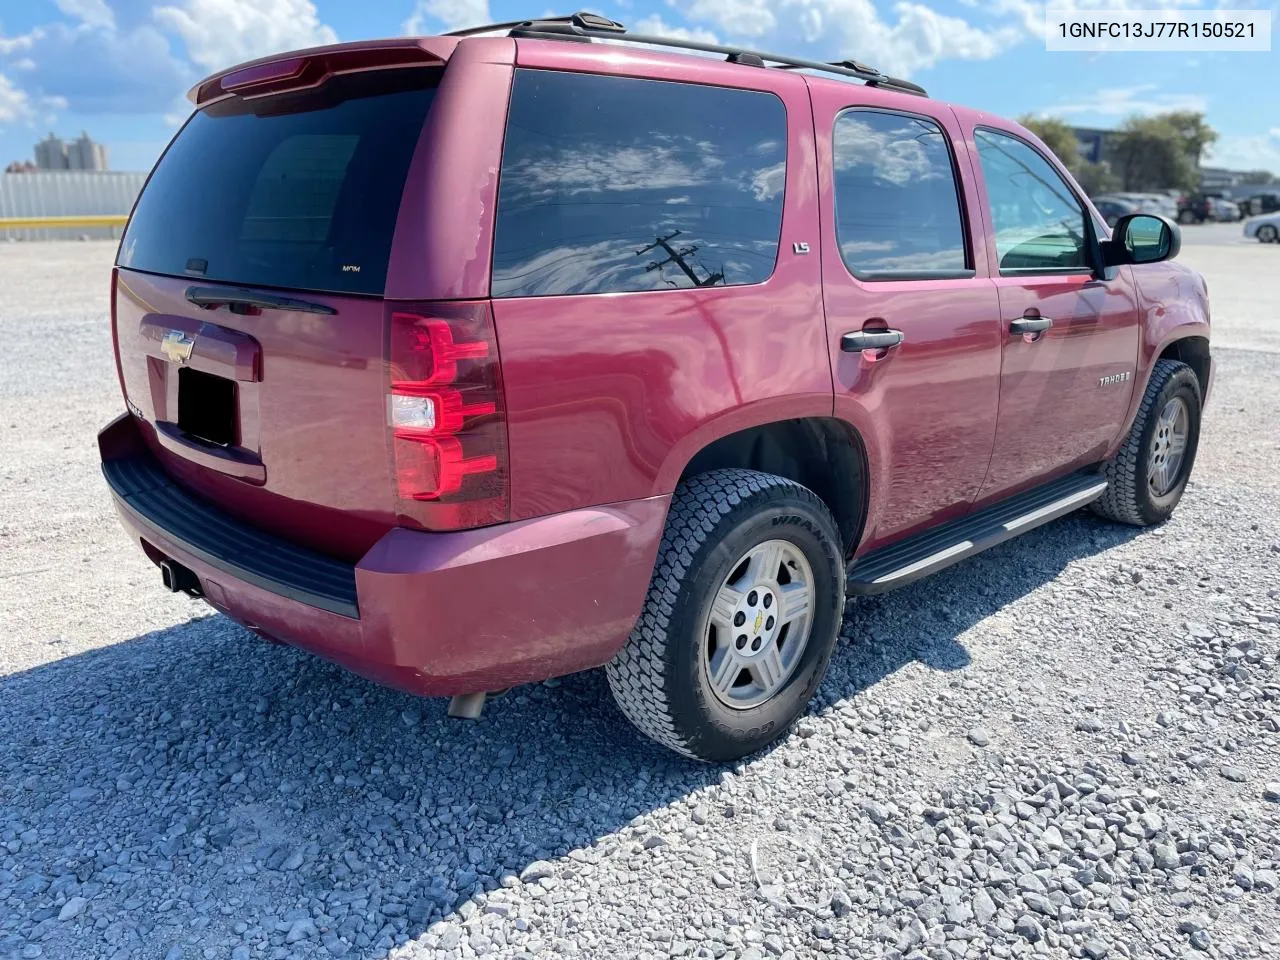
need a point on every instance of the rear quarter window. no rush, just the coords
(299, 190)
(613, 184)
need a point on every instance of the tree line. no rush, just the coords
(1160, 152)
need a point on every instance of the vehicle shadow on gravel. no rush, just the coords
(922, 622)
(197, 787)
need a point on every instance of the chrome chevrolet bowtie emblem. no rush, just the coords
(177, 346)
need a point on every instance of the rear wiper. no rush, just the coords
(217, 296)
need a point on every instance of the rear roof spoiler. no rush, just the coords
(302, 69)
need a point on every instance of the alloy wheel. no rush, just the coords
(759, 624)
(1168, 447)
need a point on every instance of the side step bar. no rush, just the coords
(918, 556)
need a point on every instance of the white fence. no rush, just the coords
(71, 193)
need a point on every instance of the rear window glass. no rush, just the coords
(614, 184)
(299, 191)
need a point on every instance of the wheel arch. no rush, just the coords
(1193, 350)
(825, 454)
(1187, 343)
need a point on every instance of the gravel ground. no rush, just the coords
(1065, 747)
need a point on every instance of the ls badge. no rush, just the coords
(177, 346)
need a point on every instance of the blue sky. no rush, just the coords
(119, 68)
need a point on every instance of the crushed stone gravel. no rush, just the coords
(1068, 746)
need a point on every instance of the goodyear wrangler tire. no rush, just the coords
(740, 619)
(1150, 470)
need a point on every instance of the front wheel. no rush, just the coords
(1268, 234)
(740, 619)
(1150, 471)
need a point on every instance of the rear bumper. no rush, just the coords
(430, 613)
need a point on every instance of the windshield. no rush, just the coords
(299, 190)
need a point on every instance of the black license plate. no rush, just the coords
(207, 407)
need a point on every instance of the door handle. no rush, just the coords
(1030, 325)
(871, 340)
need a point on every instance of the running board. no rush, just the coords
(924, 553)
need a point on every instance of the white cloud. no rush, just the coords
(449, 14)
(1031, 14)
(1127, 101)
(1247, 152)
(665, 163)
(95, 13)
(14, 105)
(745, 18)
(895, 159)
(95, 67)
(21, 43)
(656, 26)
(918, 38)
(221, 33)
(177, 114)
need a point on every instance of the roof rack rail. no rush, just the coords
(588, 26)
(850, 64)
(586, 21)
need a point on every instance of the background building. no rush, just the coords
(51, 153)
(1093, 143)
(83, 153)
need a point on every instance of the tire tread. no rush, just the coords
(1119, 502)
(637, 674)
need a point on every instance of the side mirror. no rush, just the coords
(1142, 238)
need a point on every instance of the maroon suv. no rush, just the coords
(470, 361)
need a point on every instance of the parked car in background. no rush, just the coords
(1223, 210)
(467, 362)
(1160, 203)
(1194, 208)
(1265, 228)
(1147, 203)
(1266, 202)
(1113, 208)
(1143, 203)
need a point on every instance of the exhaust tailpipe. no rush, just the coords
(178, 579)
(467, 706)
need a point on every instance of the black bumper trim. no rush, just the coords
(155, 502)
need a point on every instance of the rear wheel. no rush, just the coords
(1150, 471)
(1268, 234)
(740, 619)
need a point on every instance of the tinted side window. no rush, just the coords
(897, 206)
(1039, 224)
(612, 184)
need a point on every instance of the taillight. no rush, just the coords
(447, 418)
